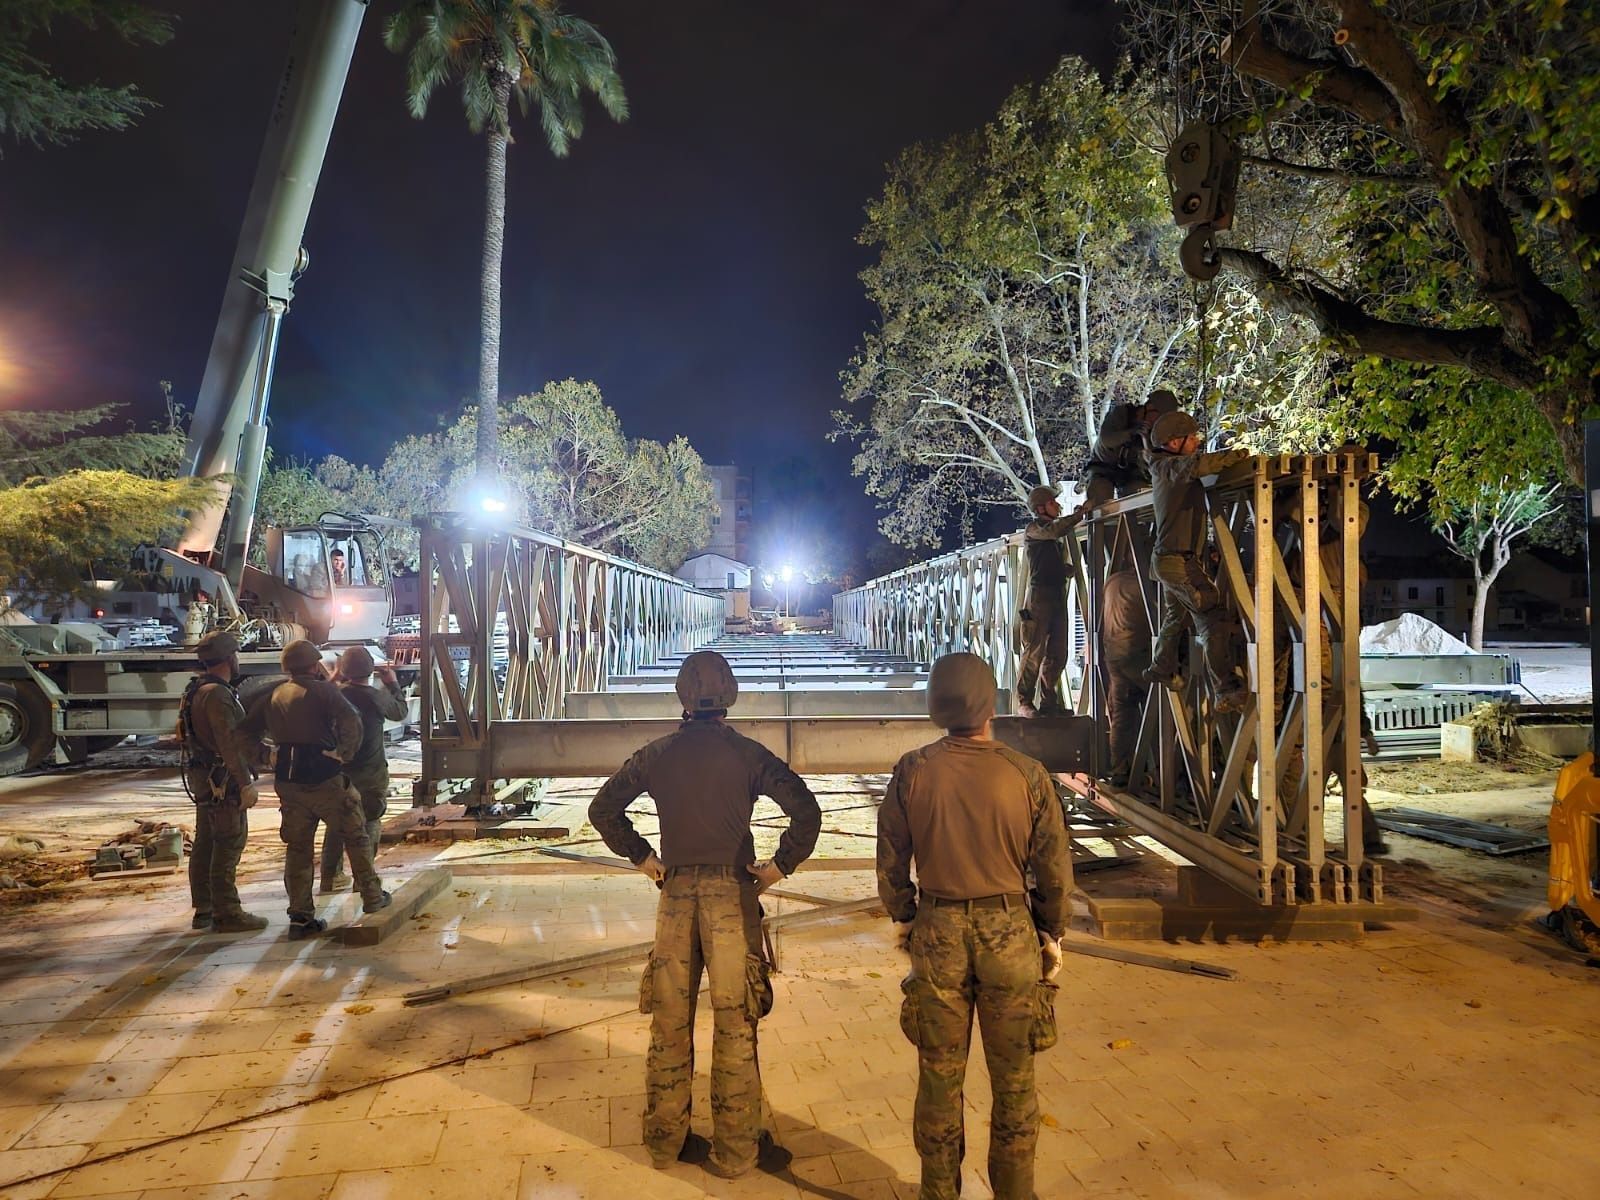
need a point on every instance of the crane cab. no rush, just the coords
(331, 579)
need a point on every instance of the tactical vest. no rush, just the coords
(1047, 563)
(195, 753)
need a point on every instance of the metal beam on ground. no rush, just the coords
(810, 745)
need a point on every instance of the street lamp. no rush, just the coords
(787, 574)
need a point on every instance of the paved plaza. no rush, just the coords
(1451, 1057)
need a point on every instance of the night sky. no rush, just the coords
(698, 261)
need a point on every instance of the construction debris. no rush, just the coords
(1459, 831)
(151, 847)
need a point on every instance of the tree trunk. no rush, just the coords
(1480, 605)
(494, 237)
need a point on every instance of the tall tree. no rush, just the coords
(1025, 282)
(37, 105)
(500, 49)
(1458, 146)
(566, 462)
(1483, 530)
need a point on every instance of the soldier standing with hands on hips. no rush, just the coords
(977, 818)
(705, 779)
(217, 772)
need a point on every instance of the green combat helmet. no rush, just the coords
(1172, 425)
(961, 690)
(1041, 495)
(299, 657)
(706, 683)
(216, 647)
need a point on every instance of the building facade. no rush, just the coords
(730, 528)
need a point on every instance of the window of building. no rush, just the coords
(731, 583)
(1411, 593)
(1438, 595)
(717, 520)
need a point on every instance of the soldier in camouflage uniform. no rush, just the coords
(705, 779)
(1188, 594)
(369, 769)
(1044, 613)
(317, 734)
(1125, 644)
(977, 818)
(1116, 463)
(217, 770)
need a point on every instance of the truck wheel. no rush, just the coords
(25, 736)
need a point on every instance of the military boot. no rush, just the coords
(304, 927)
(202, 920)
(383, 901)
(238, 922)
(333, 883)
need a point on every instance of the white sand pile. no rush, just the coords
(1410, 634)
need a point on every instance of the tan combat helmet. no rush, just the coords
(961, 691)
(706, 683)
(216, 647)
(356, 663)
(1169, 426)
(1041, 495)
(299, 657)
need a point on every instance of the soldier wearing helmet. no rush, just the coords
(369, 769)
(217, 771)
(1117, 460)
(705, 779)
(977, 818)
(317, 734)
(1044, 612)
(1188, 594)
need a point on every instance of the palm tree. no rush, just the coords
(498, 49)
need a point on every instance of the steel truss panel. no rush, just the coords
(1242, 795)
(513, 620)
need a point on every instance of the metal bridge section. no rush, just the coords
(1243, 795)
(514, 621)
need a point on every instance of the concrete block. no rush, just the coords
(1170, 919)
(1558, 741)
(1458, 742)
(372, 928)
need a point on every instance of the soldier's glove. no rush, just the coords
(766, 873)
(248, 795)
(902, 936)
(1049, 956)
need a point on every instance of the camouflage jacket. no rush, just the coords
(705, 779)
(214, 719)
(978, 819)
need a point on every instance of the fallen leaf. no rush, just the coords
(150, 981)
(239, 991)
(111, 1078)
(1120, 1044)
(574, 983)
(1474, 1003)
(462, 895)
(304, 1037)
(1049, 1122)
(326, 1094)
(356, 1010)
(873, 975)
(422, 916)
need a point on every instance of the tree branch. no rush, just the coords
(1481, 350)
(1339, 174)
(1333, 83)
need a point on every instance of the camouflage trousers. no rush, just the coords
(708, 920)
(985, 960)
(1125, 693)
(1292, 759)
(1189, 597)
(220, 832)
(374, 803)
(1044, 650)
(301, 806)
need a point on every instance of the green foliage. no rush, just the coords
(1024, 284)
(569, 467)
(1450, 157)
(53, 531)
(550, 58)
(38, 106)
(35, 444)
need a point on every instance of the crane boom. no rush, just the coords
(227, 435)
